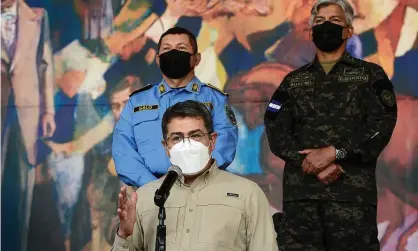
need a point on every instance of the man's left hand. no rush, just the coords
(330, 174)
(48, 125)
(317, 159)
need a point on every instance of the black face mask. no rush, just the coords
(175, 64)
(328, 36)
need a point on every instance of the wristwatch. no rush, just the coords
(340, 153)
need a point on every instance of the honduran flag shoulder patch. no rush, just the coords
(274, 106)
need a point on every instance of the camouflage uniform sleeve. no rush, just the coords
(279, 121)
(369, 140)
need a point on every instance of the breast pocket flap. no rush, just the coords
(143, 116)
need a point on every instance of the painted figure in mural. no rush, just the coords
(105, 184)
(137, 152)
(296, 49)
(27, 110)
(397, 186)
(329, 121)
(84, 136)
(383, 47)
(257, 162)
(75, 114)
(247, 90)
(253, 154)
(227, 212)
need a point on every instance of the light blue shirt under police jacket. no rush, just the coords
(137, 150)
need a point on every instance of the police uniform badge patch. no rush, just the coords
(195, 88)
(230, 114)
(384, 92)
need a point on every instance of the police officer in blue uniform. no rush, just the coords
(137, 150)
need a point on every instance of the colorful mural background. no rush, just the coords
(88, 55)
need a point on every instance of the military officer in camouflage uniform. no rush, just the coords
(329, 121)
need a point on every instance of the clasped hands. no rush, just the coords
(320, 162)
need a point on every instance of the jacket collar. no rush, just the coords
(345, 58)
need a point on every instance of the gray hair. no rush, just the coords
(345, 6)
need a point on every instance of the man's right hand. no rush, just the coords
(330, 174)
(127, 213)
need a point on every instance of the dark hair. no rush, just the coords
(131, 82)
(187, 109)
(178, 31)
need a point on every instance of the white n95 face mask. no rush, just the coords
(190, 155)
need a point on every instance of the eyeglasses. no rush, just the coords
(177, 138)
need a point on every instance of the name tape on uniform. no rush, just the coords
(145, 108)
(274, 106)
(361, 78)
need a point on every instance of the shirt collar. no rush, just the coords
(193, 86)
(204, 178)
(345, 58)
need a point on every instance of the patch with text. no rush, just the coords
(301, 84)
(145, 108)
(354, 78)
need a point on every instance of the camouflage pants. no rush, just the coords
(314, 225)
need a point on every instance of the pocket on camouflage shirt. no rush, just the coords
(340, 96)
(304, 99)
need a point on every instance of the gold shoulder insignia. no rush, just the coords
(219, 90)
(141, 89)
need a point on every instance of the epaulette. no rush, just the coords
(219, 90)
(141, 89)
